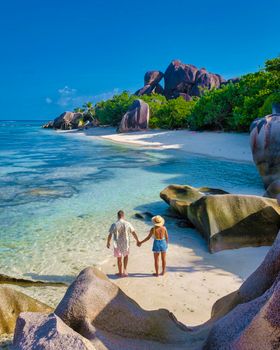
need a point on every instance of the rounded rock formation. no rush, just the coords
(151, 83)
(12, 303)
(179, 77)
(55, 334)
(226, 221)
(136, 118)
(153, 77)
(265, 145)
(66, 121)
(249, 317)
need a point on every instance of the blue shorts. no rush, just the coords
(159, 245)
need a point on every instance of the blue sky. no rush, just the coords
(56, 54)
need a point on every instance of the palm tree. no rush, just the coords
(89, 111)
(79, 110)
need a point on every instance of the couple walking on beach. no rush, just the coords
(121, 231)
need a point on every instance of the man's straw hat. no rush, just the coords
(158, 220)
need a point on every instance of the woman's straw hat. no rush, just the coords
(158, 220)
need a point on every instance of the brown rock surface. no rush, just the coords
(226, 221)
(47, 332)
(265, 145)
(93, 302)
(249, 318)
(136, 118)
(12, 303)
(66, 121)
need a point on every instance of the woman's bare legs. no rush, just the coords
(156, 257)
(163, 261)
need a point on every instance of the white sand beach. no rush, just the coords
(195, 278)
(233, 146)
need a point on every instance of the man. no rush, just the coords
(121, 231)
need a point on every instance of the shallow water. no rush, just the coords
(59, 194)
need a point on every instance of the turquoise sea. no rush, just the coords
(59, 193)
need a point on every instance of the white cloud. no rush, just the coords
(66, 94)
(79, 100)
(69, 97)
(48, 100)
(66, 91)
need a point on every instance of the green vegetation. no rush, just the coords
(232, 107)
(165, 114)
(110, 112)
(235, 106)
(266, 107)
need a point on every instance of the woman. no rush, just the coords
(159, 232)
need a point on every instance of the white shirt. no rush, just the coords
(121, 231)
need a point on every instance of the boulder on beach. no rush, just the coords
(180, 197)
(235, 221)
(39, 331)
(226, 221)
(66, 121)
(93, 303)
(249, 317)
(136, 118)
(265, 145)
(12, 303)
(253, 325)
(254, 286)
(95, 309)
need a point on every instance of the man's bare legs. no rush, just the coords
(125, 262)
(163, 261)
(122, 272)
(119, 266)
(156, 257)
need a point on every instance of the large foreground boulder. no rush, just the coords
(265, 145)
(255, 285)
(66, 121)
(136, 118)
(12, 303)
(226, 221)
(254, 325)
(94, 303)
(47, 332)
(249, 318)
(95, 309)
